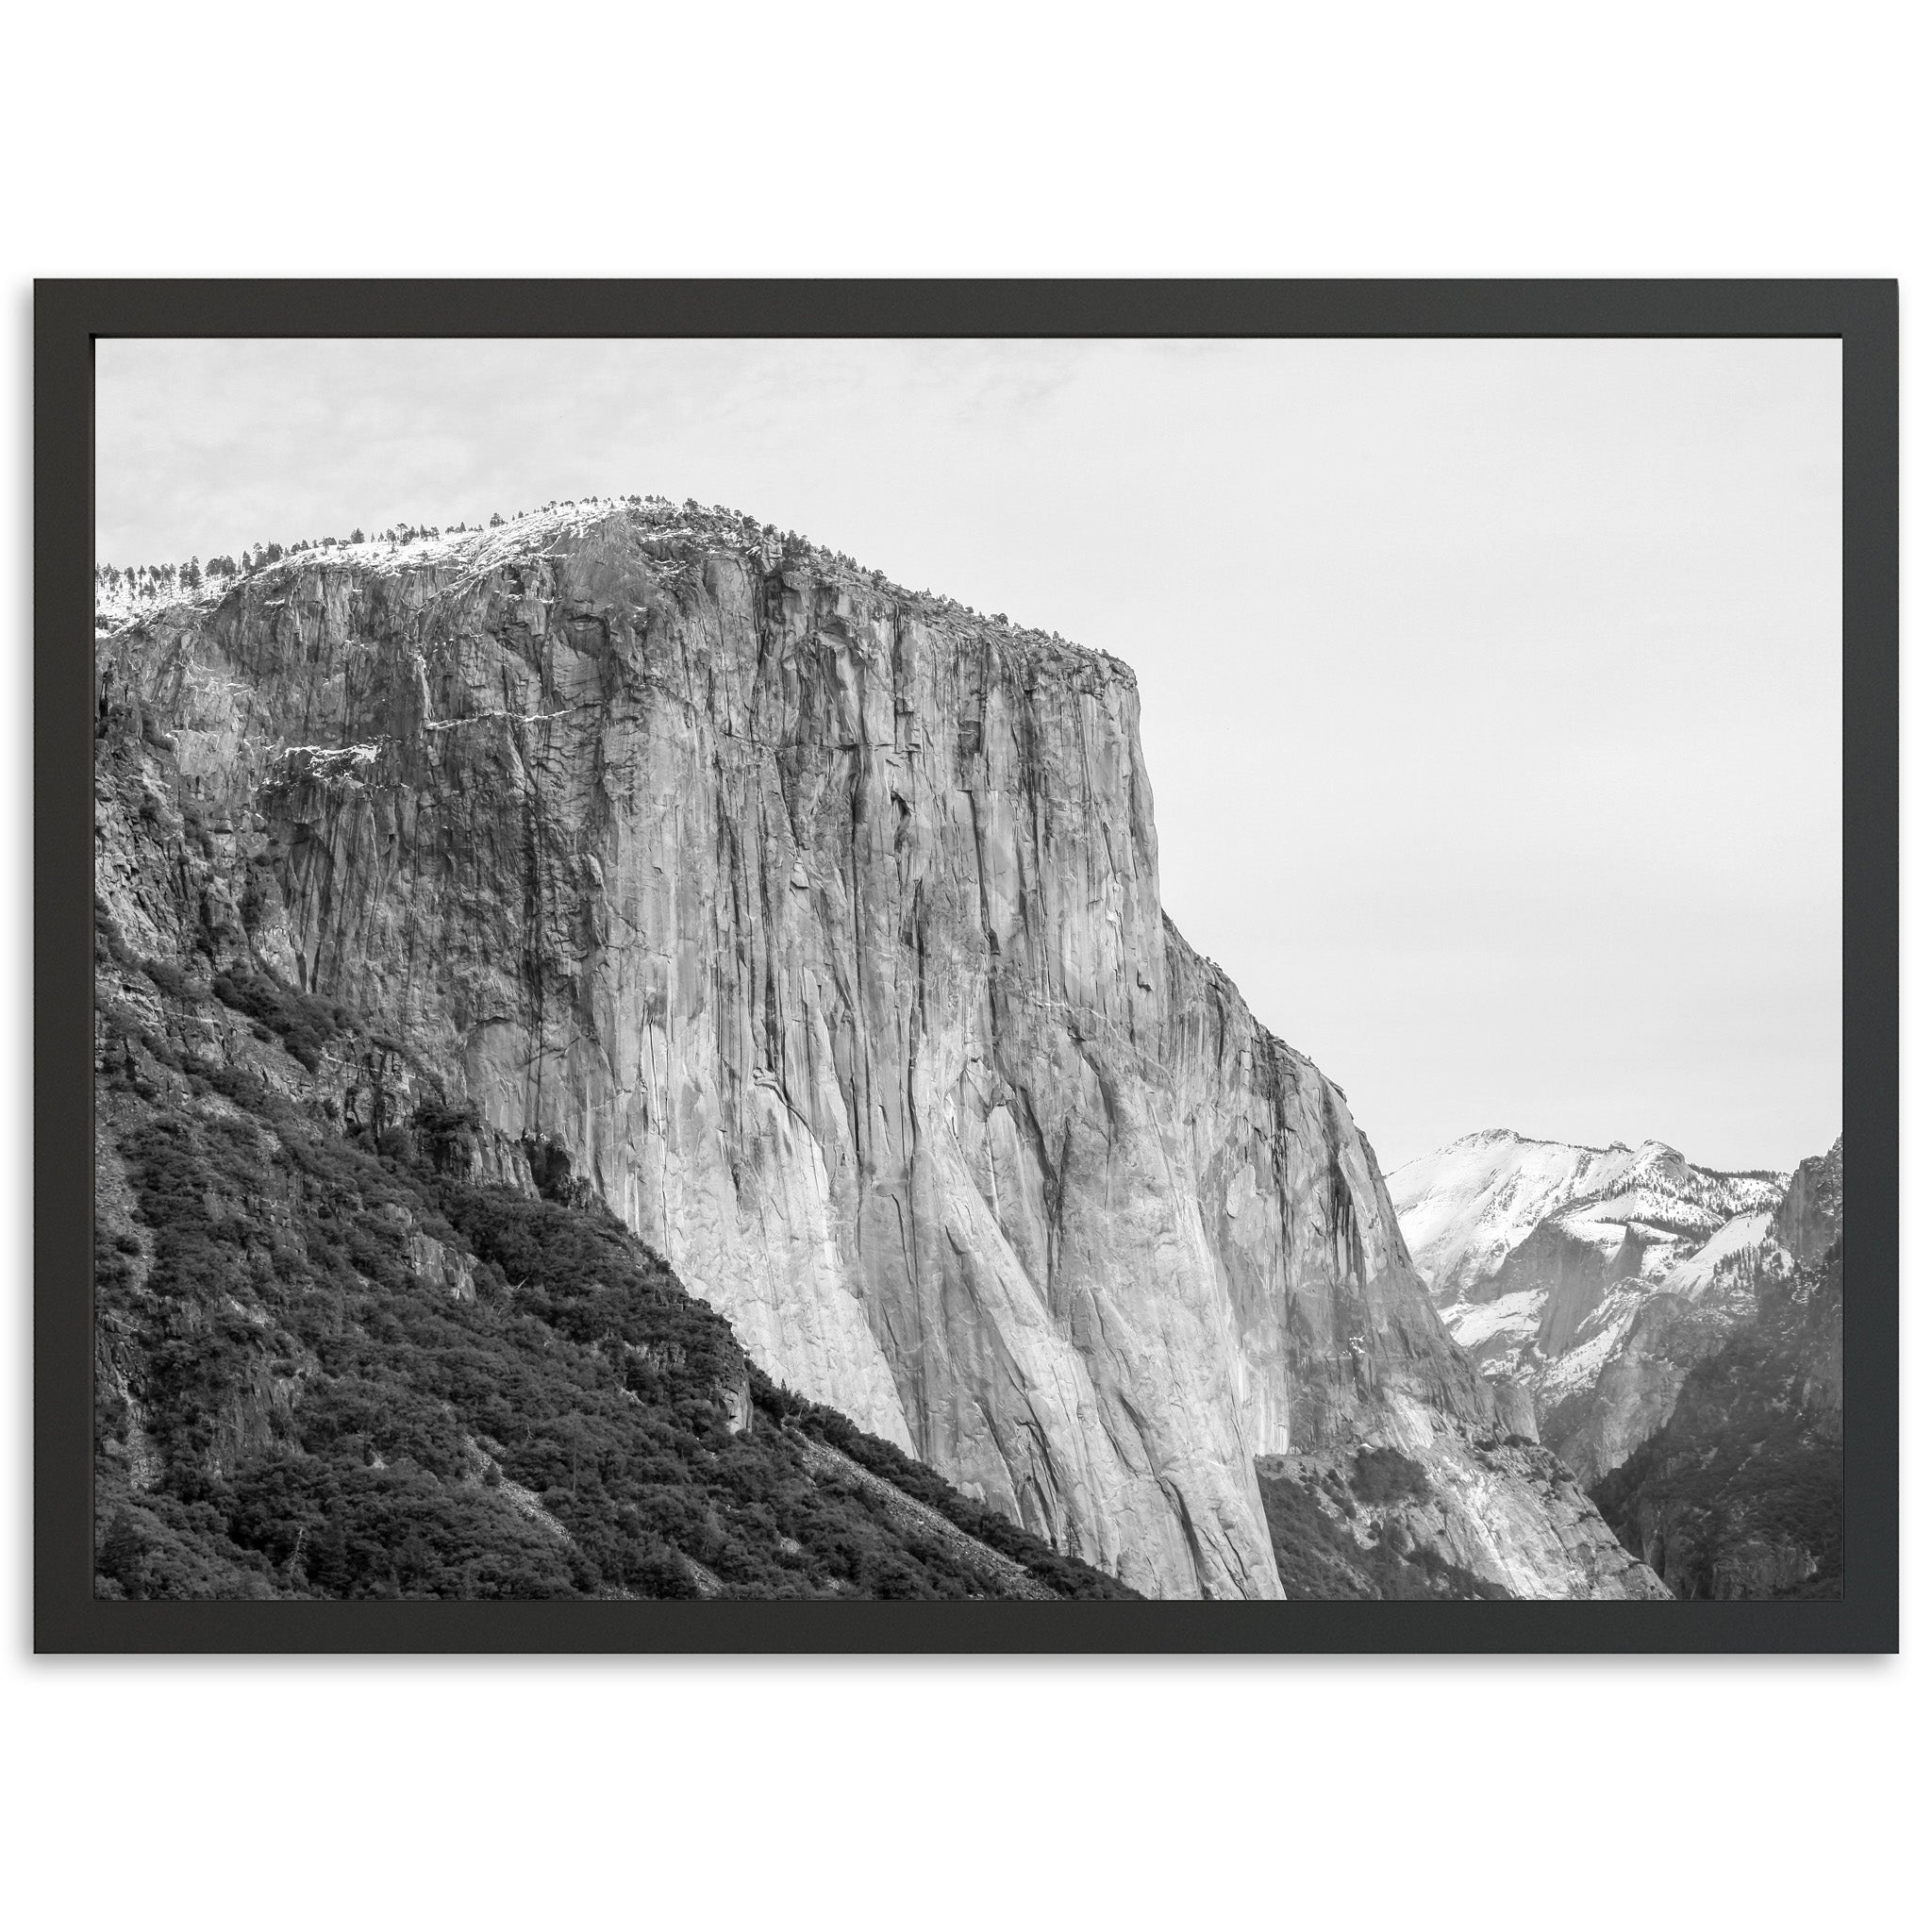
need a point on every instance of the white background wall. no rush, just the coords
(1484, 139)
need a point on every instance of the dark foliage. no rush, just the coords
(302, 1407)
(1312, 1521)
(1066, 1576)
(1383, 1475)
(305, 1024)
(445, 1137)
(1741, 1492)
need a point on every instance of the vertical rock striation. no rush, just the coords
(819, 925)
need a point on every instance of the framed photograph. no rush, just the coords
(966, 966)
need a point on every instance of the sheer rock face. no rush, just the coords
(1811, 1216)
(1595, 1426)
(820, 924)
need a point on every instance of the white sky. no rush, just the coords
(1490, 690)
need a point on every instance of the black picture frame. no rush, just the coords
(69, 317)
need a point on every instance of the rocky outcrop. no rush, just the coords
(1595, 1425)
(817, 927)
(1493, 1517)
(1811, 1215)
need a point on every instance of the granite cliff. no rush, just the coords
(815, 927)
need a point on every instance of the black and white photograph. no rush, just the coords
(968, 967)
(1049, 969)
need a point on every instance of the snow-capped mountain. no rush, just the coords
(1588, 1277)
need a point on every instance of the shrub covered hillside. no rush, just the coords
(1349, 1531)
(348, 1345)
(335, 1365)
(1741, 1492)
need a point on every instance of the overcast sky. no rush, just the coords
(1490, 691)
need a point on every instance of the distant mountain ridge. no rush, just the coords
(1588, 1278)
(1467, 1206)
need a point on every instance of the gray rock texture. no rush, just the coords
(819, 925)
(1811, 1216)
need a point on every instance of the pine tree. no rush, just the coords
(123, 1550)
